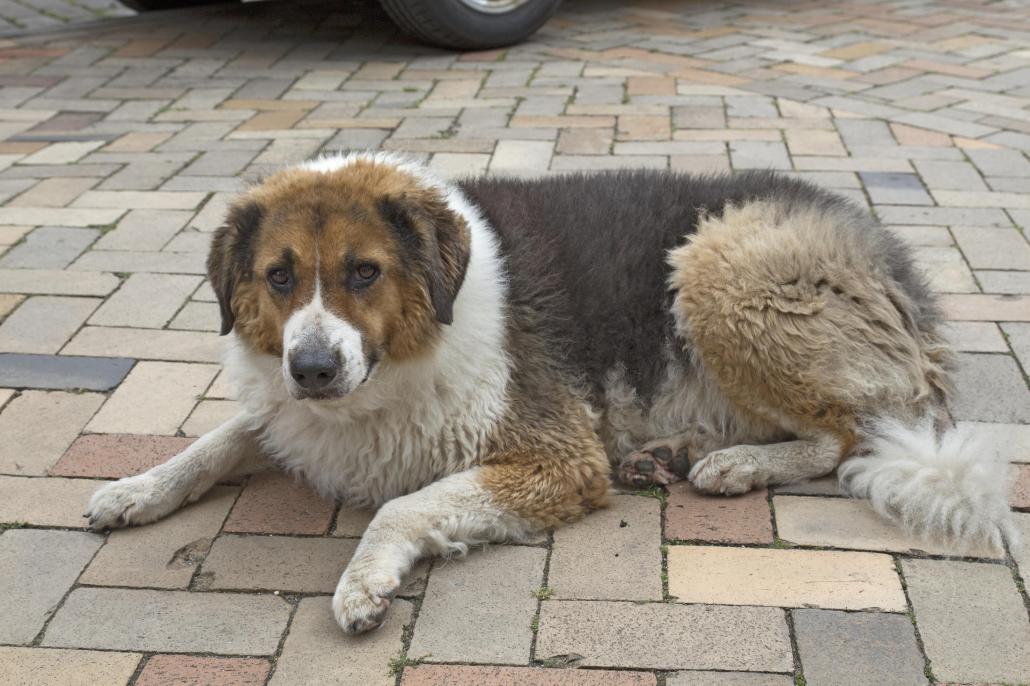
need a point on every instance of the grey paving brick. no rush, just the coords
(316, 652)
(144, 230)
(895, 189)
(971, 619)
(43, 324)
(949, 175)
(479, 609)
(49, 247)
(988, 248)
(990, 389)
(631, 529)
(1000, 162)
(62, 372)
(146, 301)
(610, 634)
(857, 648)
(759, 155)
(169, 621)
(39, 567)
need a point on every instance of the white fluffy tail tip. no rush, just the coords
(951, 489)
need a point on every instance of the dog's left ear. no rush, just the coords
(437, 239)
(231, 259)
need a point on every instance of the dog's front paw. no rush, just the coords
(135, 500)
(730, 472)
(360, 604)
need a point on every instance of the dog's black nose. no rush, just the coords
(314, 368)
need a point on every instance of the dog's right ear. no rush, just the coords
(231, 258)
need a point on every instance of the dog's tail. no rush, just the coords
(946, 487)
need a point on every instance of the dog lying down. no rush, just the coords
(476, 358)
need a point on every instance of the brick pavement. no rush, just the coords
(120, 143)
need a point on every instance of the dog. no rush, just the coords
(477, 358)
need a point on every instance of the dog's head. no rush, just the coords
(335, 267)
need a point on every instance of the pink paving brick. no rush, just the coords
(1020, 494)
(693, 516)
(277, 503)
(186, 670)
(468, 675)
(113, 456)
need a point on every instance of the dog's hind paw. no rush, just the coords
(361, 605)
(657, 463)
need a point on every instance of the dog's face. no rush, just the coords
(335, 272)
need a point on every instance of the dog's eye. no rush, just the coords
(366, 272)
(279, 277)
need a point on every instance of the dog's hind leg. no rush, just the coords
(740, 468)
(160, 491)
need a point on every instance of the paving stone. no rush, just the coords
(971, 619)
(975, 337)
(162, 670)
(1011, 441)
(988, 248)
(301, 565)
(949, 175)
(55, 192)
(278, 503)
(208, 415)
(1022, 555)
(317, 652)
(45, 502)
(513, 157)
(857, 647)
(174, 621)
(62, 372)
(59, 667)
(145, 200)
(630, 556)
(114, 456)
(945, 269)
(196, 316)
(690, 515)
(784, 578)
(479, 609)
(52, 561)
(51, 281)
(990, 389)
(37, 427)
(846, 523)
(146, 344)
(473, 675)
(43, 324)
(62, 153)
(1019, 495)
(610, 634)
(60, 216)
(352, 522)
(155, 398)
(146, 300)
(163, 262)
(759, 155)
(49, 247)
(727, 679)
(166, 553)
(813, 142)
(144, 230)
(885, 188)
(974, 307)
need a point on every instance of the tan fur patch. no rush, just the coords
(797, 322)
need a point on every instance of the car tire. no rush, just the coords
(148, 5)
(470, 24)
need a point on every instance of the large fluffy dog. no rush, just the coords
(473, 357)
